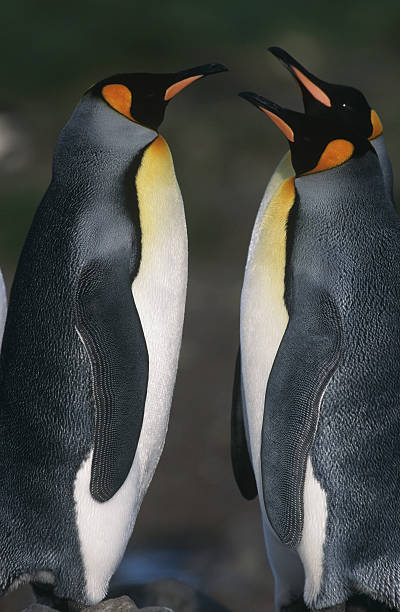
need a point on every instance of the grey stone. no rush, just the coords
(180, 596)
(119, 604)
(17, 600)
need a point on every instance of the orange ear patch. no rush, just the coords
(177, 87)
(282, 125)
(314, 90)
(377, 127)
(119, 97)
(336, 153)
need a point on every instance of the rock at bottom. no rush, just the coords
(120, 604)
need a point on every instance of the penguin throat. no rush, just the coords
(336, 153)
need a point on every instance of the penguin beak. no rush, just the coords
(186, 77)
(280, 116)
(307, 82)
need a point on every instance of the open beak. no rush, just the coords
(186, 77)
(280, 116)
(308, 83)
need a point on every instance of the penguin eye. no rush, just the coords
(346, 106)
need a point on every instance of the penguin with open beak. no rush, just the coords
(92, 340)
(343, 104)
(324, 450)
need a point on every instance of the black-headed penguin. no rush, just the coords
(340, 103)
(345, 106)
(92, 339)
(324, 447)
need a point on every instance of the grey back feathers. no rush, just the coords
(347, 243)
(386, 166)
(95, 126)
(78, 262)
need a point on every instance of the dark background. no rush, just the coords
(193, 522)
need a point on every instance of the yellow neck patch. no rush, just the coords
(335, 153)
(271, 249)
(377, 127)
(157, 191)
(119, 97)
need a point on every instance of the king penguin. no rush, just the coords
(324, 450)
(347, 104)
(260, 335)
(92, 340)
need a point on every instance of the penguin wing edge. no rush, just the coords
(3, 306)
(241, 463)
(110, 328)
(305, 362)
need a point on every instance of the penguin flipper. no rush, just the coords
(111, 331)
(3, 305)
(306, 359)
(241, 463)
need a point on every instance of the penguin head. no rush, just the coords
(340, 102)
(143, 97)
(317, 144)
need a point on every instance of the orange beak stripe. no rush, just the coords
(177, 87)
(282, 125)
(314, 90)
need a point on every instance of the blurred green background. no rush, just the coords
(224, 154)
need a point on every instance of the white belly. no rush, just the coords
(159, 291)
(264, 319)
(263, 316)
